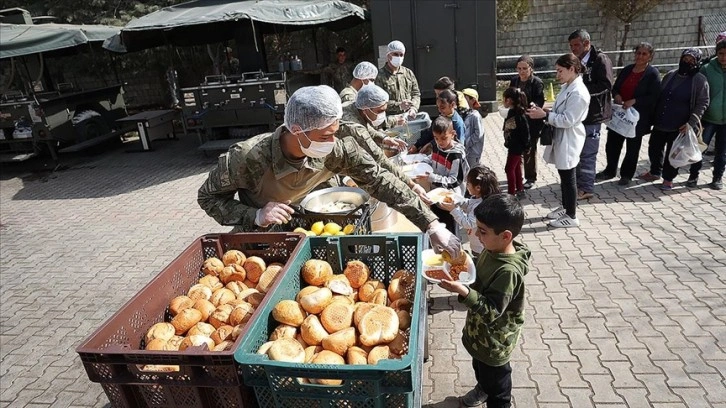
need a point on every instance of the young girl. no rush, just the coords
(448, 159)
(481, 182)
(516, 138)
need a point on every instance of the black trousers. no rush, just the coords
(659, 164)
(568, 184)
(612, 150)
(496, 382)
(530, 156)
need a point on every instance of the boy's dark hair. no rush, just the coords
(720, 45)
(484, 178)
(501, 212)
(442, 124)
(447, 95)
(339, 49)
(444, 83)
(518, 97)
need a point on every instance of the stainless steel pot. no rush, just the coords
(316, 201)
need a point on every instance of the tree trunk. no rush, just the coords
(622, 44)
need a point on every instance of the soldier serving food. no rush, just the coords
(270, 171)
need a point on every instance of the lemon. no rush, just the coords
(348, 229)
(300, 229)
(310, 233)
(332, 228)
(325, 234)
(339, 233)
(317, 228)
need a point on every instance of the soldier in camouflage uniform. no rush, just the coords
(339, 73)
(495, 301)
(363, 74)
(271, 171)
(399, 82)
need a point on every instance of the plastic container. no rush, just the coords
(113, 355)
(411, 131)
(390, 383)
(433, 262)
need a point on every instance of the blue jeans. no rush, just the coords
(719, 161)
(588, 159)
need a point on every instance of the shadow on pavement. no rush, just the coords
(449, 402)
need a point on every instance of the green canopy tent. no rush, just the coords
(17, 40)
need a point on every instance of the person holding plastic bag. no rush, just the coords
(637, 88)
(683, 99)
(686, 149)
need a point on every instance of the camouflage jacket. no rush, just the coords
(244, 169)
(351, 114)
(496, 306)
(338, 76)
(400, 86)
(348, 94)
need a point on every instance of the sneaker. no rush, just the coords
(521, 194)
(529, 184)
(582, 195)
(692, 182)
(667, 185)
(557, 213)
(648, 177)
(565, 222)
(623, 181)
(716, 185)
(604, 175)
(474, 398)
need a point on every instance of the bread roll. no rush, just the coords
(223, 346)
(233, 256)
(222, 296)
(185, 320)
(196, 341)
(330, 358)
(241, 314)
(404, 319)
(232, 273)
(300, 340)
(163, 331)
(399, 345)
(238, 302)
(379, 297)
(249, 283)
(236, 287)
(377, 354)
(378, 326)
(311, 351)
(205, 307)
(317, 301)
(237, 331)
(254, 266)
(402, 284)
(356, 356)
(220, 316)
(361, 308)
(212, 266)
(255, 299)
(211, 281)
(223, 333)
(288, 312)
(365, 292)
(402, 304)
(202, 329)
(337, 316)
(174, 343)
(200, 291)
(157, 344)
(357, 273)
(348, 300)
(306, 291)
(339, 284)
(267, 279)
(316, 272)
(264, 348)
(180, 303)
(340, 341)
(312, 331)
(283, 331)
(288, 350)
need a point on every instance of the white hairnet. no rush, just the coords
(396, 46)
(365, 70)
(313, 107)
(371, 96)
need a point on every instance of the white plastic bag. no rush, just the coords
(685, 149)
(624, 121)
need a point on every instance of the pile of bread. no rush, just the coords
(342, 319)
(214, 311)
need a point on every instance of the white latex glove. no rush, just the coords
(443, 240)
(274, 213)
(406, 105)
(411, 113)
(395, 143)
(416, 188)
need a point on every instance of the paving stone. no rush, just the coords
(548, 386)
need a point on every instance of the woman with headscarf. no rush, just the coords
(683, 99)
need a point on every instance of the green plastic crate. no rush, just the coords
(389, 383)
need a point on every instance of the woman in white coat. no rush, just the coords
(567, 114)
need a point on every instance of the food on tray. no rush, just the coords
(336, 207)
(448, 200)
(437, 274)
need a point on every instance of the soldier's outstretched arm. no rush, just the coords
(216, 197)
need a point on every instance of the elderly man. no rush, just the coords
(270, 171)
(399, 82)
(363, 74)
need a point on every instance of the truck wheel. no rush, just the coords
(89, 125)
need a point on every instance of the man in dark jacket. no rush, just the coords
(598, 78)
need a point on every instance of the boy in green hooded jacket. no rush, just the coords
(495, 300)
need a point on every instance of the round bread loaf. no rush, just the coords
(288, 312)
(357, 273)
(404, 319)
(202, 329)
(254, 266)
(356, 356)
(348, 300)
(211, 281)
(174, 343)
(402, 284)
(200, 291)
(312, 330)
(311, 351)
(223, 333)
(316, 272)
(180, 303)
(247, 293)
(267, 278)
(378, 326)
(365, 292)
(402, 304)
(223, 346)
(339, 284)
(340, 341)
(185, 320)
(220, 316)
(300, 340)
(379, 297)
(288, 350)
(378, 353)
(306, 291)
(205, 307)
(237, 331)
(317, 301)
(399, 345)
(361, 308)
(222, 296)
(163, 331)
(157, 344)
(196, 341)
(233, 256)
(265, 347)
(212, 266)
(337, 316)
(236, 287)
(232, 273)
(330, 358)
(241, 314)
(249, 283)
(255, 299)
(283, 331)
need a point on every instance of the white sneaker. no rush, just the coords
(565, 222)
(557, 213)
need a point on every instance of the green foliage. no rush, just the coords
(510, 12)
(111, 12)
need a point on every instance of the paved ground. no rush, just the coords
(627, 311)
